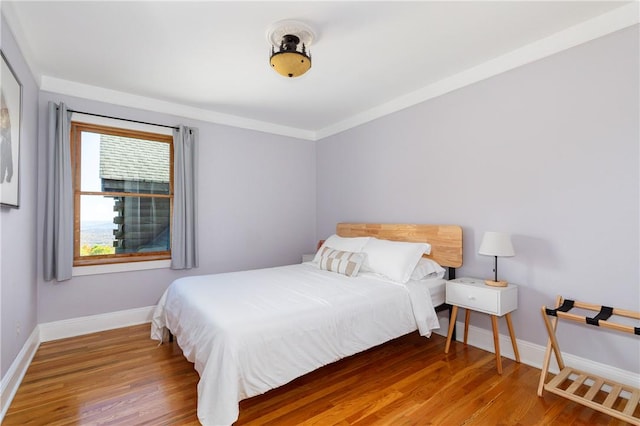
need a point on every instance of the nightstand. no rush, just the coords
(473, 294)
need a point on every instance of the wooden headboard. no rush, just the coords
(445, 240)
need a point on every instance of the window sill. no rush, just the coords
(120, 267)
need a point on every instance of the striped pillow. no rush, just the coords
(343, 262)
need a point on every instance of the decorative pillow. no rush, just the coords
(395, 260)
(342, 262)
(336, 242)
(427, 268)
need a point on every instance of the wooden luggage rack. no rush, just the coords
(588, 389)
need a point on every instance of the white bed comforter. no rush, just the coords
(251, 331)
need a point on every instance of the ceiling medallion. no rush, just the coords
(292, 38)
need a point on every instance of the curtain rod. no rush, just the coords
(123, 119)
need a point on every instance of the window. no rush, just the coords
(123, 194)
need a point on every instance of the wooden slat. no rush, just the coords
(632, 403)
(613, 395)
(559, 378)
(576, 383)
(594, 389)
(445, 240)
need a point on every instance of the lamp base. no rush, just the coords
(496, 283)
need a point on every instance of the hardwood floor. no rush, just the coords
(121, 377)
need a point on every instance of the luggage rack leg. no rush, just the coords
(551, 330)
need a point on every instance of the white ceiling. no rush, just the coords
(209, 60)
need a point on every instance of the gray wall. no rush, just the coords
(17, 227)
(548, 152)
(256, 207)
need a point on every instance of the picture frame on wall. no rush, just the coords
(10, 120)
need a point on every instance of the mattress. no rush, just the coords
(251, 331)
(436, 287)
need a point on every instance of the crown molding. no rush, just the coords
(80, 90)
(600, 26)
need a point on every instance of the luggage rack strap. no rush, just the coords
(604, 314)
(567, 305)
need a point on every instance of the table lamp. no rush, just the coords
(496, 244)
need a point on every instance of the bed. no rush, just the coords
(250, 331)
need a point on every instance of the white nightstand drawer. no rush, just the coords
(474, 294)
(473, 298)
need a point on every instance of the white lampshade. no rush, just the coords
(496, 244)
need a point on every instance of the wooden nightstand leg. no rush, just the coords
(467, 315)
(513, 337)
(452, 323)
(496, 342)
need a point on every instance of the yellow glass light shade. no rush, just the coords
(290, 63)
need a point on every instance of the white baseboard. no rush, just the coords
(533, 354)
(91, 324)
(12, 379)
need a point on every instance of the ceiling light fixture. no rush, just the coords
(293, 38)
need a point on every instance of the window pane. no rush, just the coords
(115, 225)
(142, 224)
(90, 148)
(96, 225)
(118, 164)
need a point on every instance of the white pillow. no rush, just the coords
(336, 242)
(395, 260)
(427, 268)
(343, 262)
(428, 249)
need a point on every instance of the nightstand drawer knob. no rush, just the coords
(472, 298)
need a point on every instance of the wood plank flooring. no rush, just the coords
(121, 377)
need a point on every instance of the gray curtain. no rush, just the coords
(58, 210)
(184, 244)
